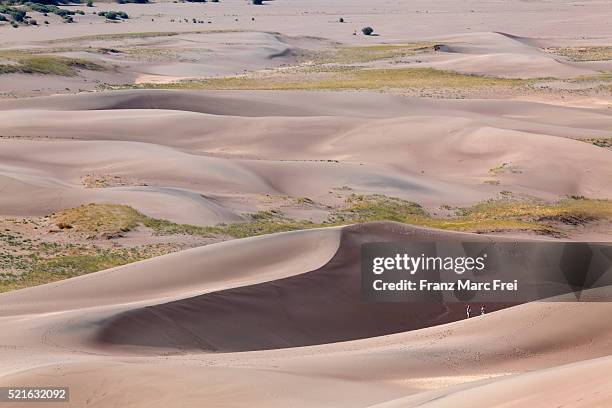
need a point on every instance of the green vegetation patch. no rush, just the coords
(526, 215)
(602, 77)
(98, 220)
(47, 262)
(261, 223)
(114, 15)
(600, 141)
(504, 214)
(370, 53)
(110, 220)
(28, 263)
(146, 34)
(31, 63)
(50, 8)
(17, 14)
(493, 215)
(592, 53)
(345, 78)
(505, 168)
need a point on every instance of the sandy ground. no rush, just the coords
(196, 150)
(137, 335)
(276, 320)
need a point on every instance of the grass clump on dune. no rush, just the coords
(98, 220)
(599, 141)
(366, 208)
(27, 63)
(261, 223)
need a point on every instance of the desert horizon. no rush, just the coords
(187, 189)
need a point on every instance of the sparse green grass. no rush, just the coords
(53, 262)
(108, 220)
(149, 34)
(492, 182)
(600, 141)
(261, 223)
(378, 208)
(39, 263)
(345, 78)
(29, 63)
(28, 262)
(531, 215)
(491, 215)
(602, 77)
(593, 53)
(366, 208)
(370, 53)
(151, 54)
(98, 219)
(505, 168)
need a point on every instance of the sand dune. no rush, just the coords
(200, 144)
(96, 324)
(569, 20)
(201, 270)
(504, 55)
(278, 320)
(586, 379)
(322, 306)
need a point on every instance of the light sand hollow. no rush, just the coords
(197, 150)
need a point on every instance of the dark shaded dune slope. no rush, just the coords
(189, 101)
(317, 307)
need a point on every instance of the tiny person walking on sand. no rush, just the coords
(483, 310)
(468, 311)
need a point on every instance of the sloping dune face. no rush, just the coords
(502, 54)
(322, 306)
(538, 389)
(189, 155)
(138, 335)
(198, 270)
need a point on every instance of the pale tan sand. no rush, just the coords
(569, 20)
(482, 38)
(277, 321)
(504, 55)
(195, 150)
(201, 269)
(52, 333)
(580, 384)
